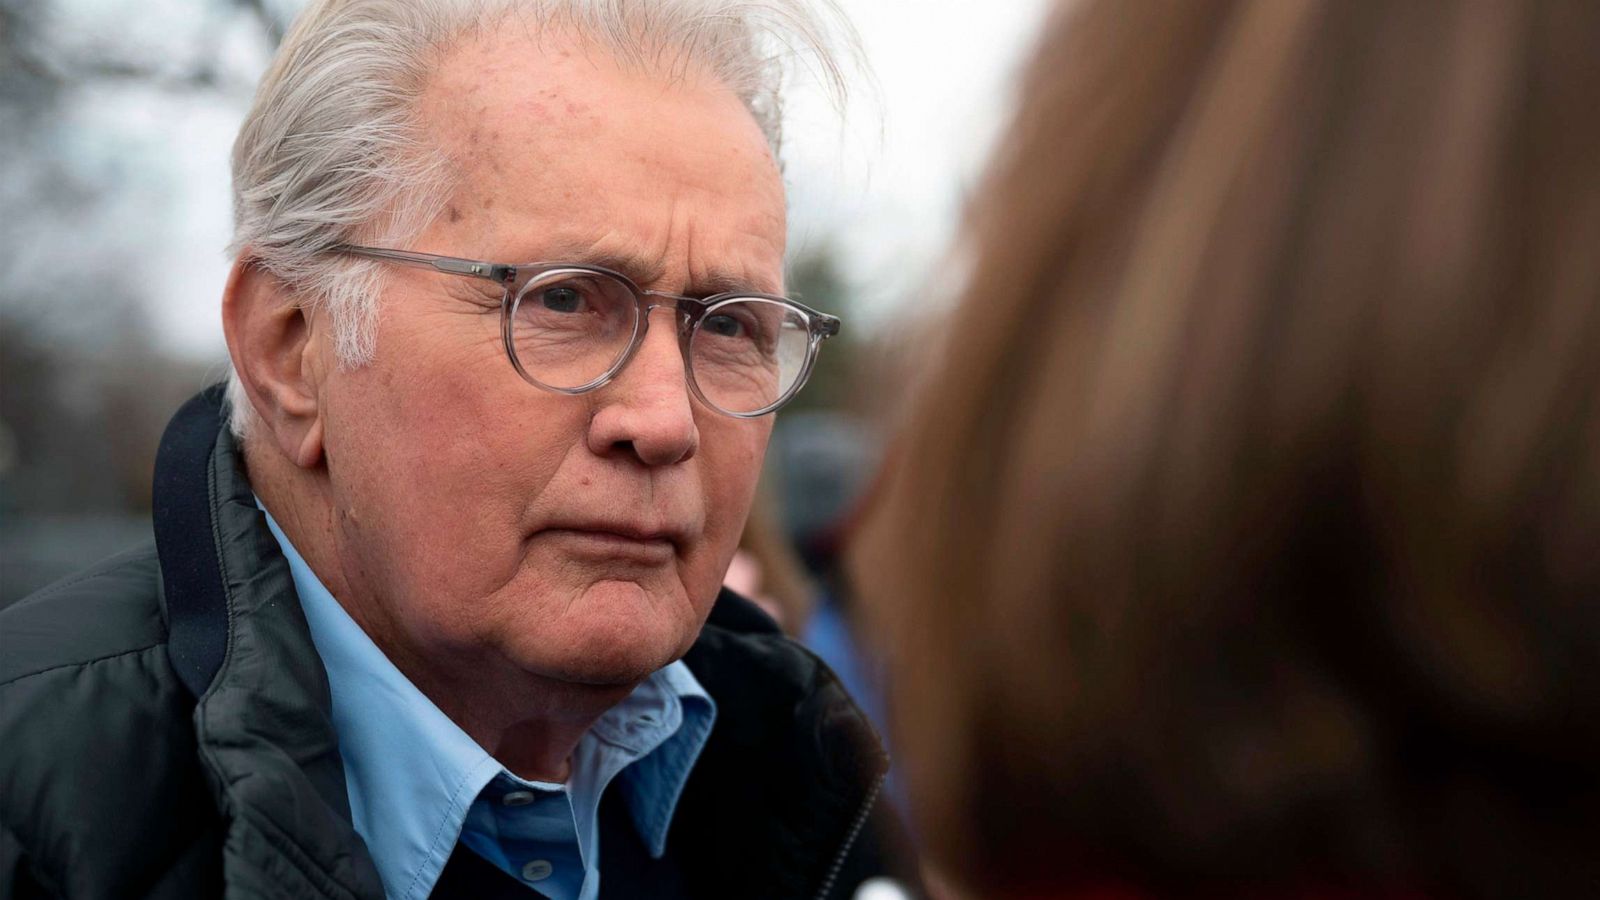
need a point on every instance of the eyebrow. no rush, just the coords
(646, 271)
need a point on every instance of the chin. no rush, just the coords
(613, 634)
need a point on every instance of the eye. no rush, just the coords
(723, 325)
(561, 298)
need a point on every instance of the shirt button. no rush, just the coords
(538, 870)
(518, 798)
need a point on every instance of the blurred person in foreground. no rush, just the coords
(427, 608)
(1243, 540)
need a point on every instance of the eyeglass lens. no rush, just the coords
(569, 327)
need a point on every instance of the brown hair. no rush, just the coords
(1246, 531)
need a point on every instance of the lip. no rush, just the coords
(616, 540)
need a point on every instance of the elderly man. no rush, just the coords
(427, 608)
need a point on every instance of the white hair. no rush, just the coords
(332, 152)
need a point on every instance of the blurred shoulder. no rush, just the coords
(104, 787)
(108, 610)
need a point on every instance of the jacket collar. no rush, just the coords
(239, 642)
(792, 756)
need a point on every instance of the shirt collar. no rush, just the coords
(412, 774)
(653, 785)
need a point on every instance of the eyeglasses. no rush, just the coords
(571, 328)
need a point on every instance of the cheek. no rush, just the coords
(439, 455)
(733, 454)
(411, 432)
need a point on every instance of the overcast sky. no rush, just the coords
(884, 185)
(888, 189)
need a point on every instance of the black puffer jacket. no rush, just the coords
(165, 731)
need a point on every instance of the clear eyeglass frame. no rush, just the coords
(691, 312)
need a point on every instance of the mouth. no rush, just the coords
(624, 542)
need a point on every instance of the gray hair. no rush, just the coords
(331, 151)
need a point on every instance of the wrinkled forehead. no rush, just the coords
(539, 122)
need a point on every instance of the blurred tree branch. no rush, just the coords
(85, 383)
(27, 45)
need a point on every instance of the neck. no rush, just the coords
(529, 723)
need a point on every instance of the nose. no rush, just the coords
(645, 411)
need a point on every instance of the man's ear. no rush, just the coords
(270, 340)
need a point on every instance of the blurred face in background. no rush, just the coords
(493, 524)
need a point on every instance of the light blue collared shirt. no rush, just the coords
(418, 783)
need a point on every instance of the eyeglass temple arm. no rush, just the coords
(450, 265)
